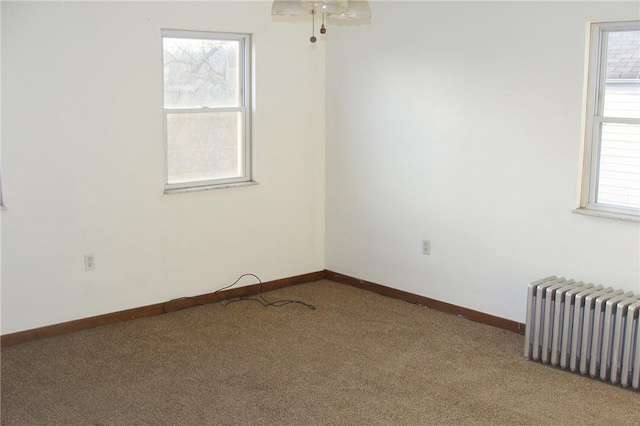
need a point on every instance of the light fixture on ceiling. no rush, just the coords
(339, 9)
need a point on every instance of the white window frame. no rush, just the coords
(246, 146)
(594, 118)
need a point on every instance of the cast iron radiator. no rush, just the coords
(586, 328)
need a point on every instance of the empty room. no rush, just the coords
(320, 212)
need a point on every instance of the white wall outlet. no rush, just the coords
(89, 262)
(426, 246)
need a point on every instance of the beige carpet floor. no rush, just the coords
(358, 359)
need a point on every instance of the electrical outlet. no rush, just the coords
(89, 262)
(426, 247)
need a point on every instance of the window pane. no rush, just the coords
(201, 73)
(204, 146)
(619, 176)
(622, 88)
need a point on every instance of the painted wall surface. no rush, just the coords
(455, 122)
(83, 155)
(461, 123)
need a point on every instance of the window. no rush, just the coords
(206, 110)
(611, 168)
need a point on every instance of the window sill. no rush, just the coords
(607, 215)
(169, 191)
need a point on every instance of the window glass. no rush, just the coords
(622, 74)
(619, 177)
(203, 146)
(201, 73)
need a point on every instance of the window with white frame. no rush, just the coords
(206, 109)
(611, 168)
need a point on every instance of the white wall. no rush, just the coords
(461, 123)
(83, 155)
(456, 122)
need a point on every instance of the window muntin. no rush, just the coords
(206, 109)
(611, 176)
